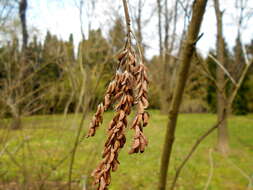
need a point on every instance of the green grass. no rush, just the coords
(48, 139)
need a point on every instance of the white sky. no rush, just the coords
(61, 17)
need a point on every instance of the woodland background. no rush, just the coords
(46, 86)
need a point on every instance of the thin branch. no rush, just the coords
(245, 55)
(13, 159)
(237, 87)
(208, 74)
(128, 21)
(73, 152)
(211, 170)
(185, 9)
(223, 68)
(242, 172)
(4, 148)
(193, 149)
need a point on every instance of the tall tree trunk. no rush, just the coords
(185, 62)
(16, 113)
(159, 8)
(22, 15)
(223, 146)
(165, 91)
(16, 118)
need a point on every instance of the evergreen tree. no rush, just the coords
(51, 55)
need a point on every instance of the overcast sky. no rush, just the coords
(61, 17)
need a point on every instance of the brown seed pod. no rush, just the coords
(141, 119)
(128, 88)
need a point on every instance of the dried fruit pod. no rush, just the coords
(128, 88)
(123, 91)
(141, 119)
(112, 93)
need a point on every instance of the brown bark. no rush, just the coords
(165, 91)
(16, 122)
(223, 146)
(160, 26)
(22, 15)
(185, 62)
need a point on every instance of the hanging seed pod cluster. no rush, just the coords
(129, 88)
(126, 90)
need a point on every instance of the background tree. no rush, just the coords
(223, 145)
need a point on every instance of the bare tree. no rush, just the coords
(233, 73)
(168, 60)
(159, 11)
(7, 10)
(223, 145)
(230, 100)
(17, 92)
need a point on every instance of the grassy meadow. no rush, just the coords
(37, 157)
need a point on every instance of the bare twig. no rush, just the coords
(207, 73)
(243, 173)
(128, 21)
(193, 149)
(4, 148)
(245, 55)
(224, 69)
(73, 152)
(211, 170)
(237, 87)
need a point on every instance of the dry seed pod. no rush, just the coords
(141, 119)
(128, 88)
(116, 130)
(111, 94)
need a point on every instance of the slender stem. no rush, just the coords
(76, 143)
(210, 176)
(193, 149)
(128, 22)
(224, 69)
(237, 87)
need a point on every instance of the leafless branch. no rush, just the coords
(223, 68)
(245, 55)
(243, 173)
(193, 149)
(211, 170)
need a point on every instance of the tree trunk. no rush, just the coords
(159, 8)
(185, 62)
(222, 146)
(165, 91)
(16, 112)
(16, 118)
(22, 15)
(16, 123)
